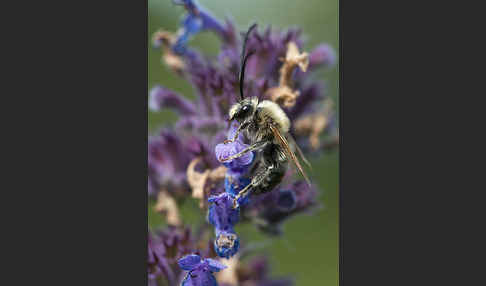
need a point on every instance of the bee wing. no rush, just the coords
(301, 154)
(288, 151)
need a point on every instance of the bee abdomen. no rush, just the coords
(273, 178)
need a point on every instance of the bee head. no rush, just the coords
(243, 109)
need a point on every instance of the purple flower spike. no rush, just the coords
(161, 97)
(200, 273)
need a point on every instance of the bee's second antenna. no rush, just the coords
(244, 59)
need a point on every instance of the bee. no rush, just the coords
(267, 127)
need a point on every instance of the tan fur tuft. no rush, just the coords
(273, 110)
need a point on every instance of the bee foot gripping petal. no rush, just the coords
(234, 185)
(243, 200)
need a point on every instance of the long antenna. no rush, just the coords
(244, 59)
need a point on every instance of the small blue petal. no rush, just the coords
(224, 151)
(214, 265)
(210, 23)
(192, 24)
(189, 262)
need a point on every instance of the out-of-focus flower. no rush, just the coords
(313, 125)
(161, 97)
(167, 161)
(165, 40)
(178, 241)
(271, 209)
(196, 20)
(200, 270)
(322, 55)
(157, 261)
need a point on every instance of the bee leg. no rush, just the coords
(252, 147)
(237, 133)
(254, 182)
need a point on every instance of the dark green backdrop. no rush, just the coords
(309, 249)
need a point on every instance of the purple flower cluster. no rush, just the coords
(185, 160)
(175, 257)
(164, 248)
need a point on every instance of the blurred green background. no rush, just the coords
(308, 250)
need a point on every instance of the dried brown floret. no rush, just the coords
(168, 39)
(202, 183)
(314, 124)
(167, 204)
(229, 275)
(283, 93)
